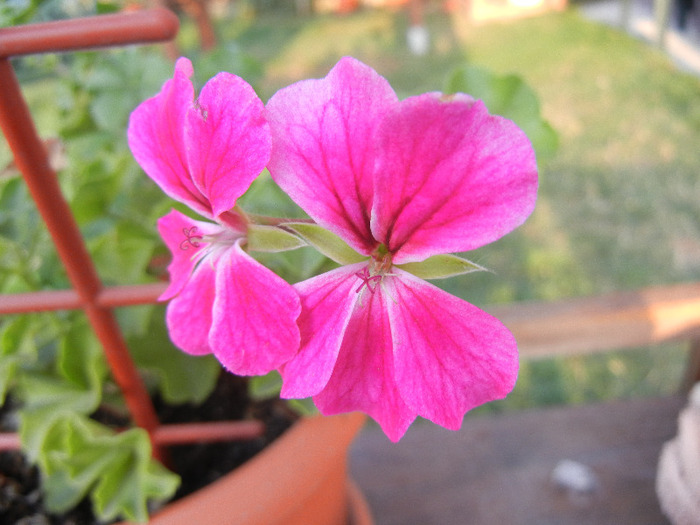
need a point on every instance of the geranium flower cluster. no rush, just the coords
(393, 188)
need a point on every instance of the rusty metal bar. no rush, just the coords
(32, 160)
(155, 25)
(139, 27)
(9, 441)
(130, 295)
(180, 434)
(42, 301)
(108, 297)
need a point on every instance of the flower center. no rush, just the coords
(372, 274)
(208, 245)
(369, 280)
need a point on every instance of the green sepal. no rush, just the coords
(328, 243)
(441, 267)
(263, 238)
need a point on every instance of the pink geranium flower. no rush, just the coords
(399, 182)
(205, 153)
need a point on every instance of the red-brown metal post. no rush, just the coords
(155, 25)
(139, 27)
(32, 160)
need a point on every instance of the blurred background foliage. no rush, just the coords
(619, 187)
(617, 206)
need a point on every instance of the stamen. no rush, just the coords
(371, 281)
(190, 234)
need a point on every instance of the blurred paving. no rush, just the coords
(582, 465)
(682, 46)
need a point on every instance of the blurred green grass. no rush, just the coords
(617, 206)
(618, 202)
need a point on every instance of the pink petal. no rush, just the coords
(449, 356)
(450, 177)
(188, 316)
(363, 377)
(183, 236)
(228, 140)
(254, 326)
(156, 138)
(324, 146)
(327, 301)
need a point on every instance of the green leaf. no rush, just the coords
(8, 370)
(304, 407)
(510, 97)
(133, 481)
(69, 471)
(297, 265)
(328, 243)
(180, 378)
(264, 387)
(110, 109)
(107, 7)
(17, 336)
(16, 12)
(440, 267)
(47, 401)
(82, 457)
(272, 239)
(80, 359)
(21, 337)
(92, 194)
(74, 387)
(136, 320)
(265, 197)
(122, 254)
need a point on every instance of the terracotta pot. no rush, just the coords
(300, 479)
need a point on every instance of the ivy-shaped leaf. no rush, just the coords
(13, 344)
(21, 339)
(8, 369)
(50, 399)
(80, 359)
(122, 253)
(75, 386)
(82, 457)
(181, 378)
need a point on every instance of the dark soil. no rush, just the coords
(198, 464)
